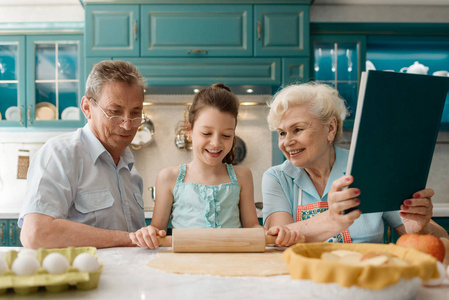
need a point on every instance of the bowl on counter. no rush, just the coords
(367, 282)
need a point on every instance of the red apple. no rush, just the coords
(425, 243)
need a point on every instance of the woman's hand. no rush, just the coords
(417, 212)
(340, 199)
(146, 237)
(285, 236)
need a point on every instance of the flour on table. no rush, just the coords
(269, 263)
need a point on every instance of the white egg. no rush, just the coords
(86, 262)
(25, 265)
(55, 263)
(27, 251)
(3, 265)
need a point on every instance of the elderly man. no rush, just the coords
(83, 188)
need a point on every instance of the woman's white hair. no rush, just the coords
(322, 100)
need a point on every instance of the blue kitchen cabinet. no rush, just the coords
(189, 71)
(12, 81)
(9, 233)
(196, 30)
(55, 81)
(281, 30)
(199, 43)
(112, 30)
(44, 92)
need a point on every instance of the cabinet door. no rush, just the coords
(281, 30)
(339, 61)
(295, 70)
(4, 238)
(55, 81)
(191, 71)
(112, 30)
(14, 234)
(12, 81)
(196, 30)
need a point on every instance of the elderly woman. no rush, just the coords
(307, 192)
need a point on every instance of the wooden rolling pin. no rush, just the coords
(218, 240)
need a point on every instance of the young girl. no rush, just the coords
(208, 192)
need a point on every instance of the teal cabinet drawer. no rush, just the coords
(196, 30)
(230, 71)
(281, 30)
(295, 70)
(112, 30)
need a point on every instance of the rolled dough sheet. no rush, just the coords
(269, 263)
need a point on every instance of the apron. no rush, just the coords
(305, 212)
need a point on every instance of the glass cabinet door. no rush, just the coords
(56, 84)
(12, 81)
(337, 62)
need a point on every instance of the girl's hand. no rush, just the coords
(146, 237)
(417, 212)
(340, 199)
(285, 236)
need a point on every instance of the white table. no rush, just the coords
(125, 276)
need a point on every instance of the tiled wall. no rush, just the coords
(252, 128)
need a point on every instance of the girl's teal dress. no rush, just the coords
(206, 206)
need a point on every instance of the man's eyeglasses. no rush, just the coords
(120, 120)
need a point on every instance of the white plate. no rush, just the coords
(71, 113)
(45, 111)
(13, 114)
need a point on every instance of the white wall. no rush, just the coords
(13, 11)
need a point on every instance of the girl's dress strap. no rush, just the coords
(231, 173)
(182, 173)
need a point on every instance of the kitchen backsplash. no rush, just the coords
(162, 152)
(252, 128)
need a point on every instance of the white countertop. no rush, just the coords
(125, 276)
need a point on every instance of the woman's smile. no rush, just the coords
(294, 153)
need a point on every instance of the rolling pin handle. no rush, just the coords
(165, 241)
(270, 239)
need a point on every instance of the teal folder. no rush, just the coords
(395, 130)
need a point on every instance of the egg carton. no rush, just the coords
(73, 278)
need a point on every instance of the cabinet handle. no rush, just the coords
(21, 111)
(29, 114)
(2, 233)
(259, 28)
(11, 236)
(196, 51)
(135, 30)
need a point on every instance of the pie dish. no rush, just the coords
(13, 114)
(71, 113)
(45, 111)
(305, 263)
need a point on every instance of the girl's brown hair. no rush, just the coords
(220, 97)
